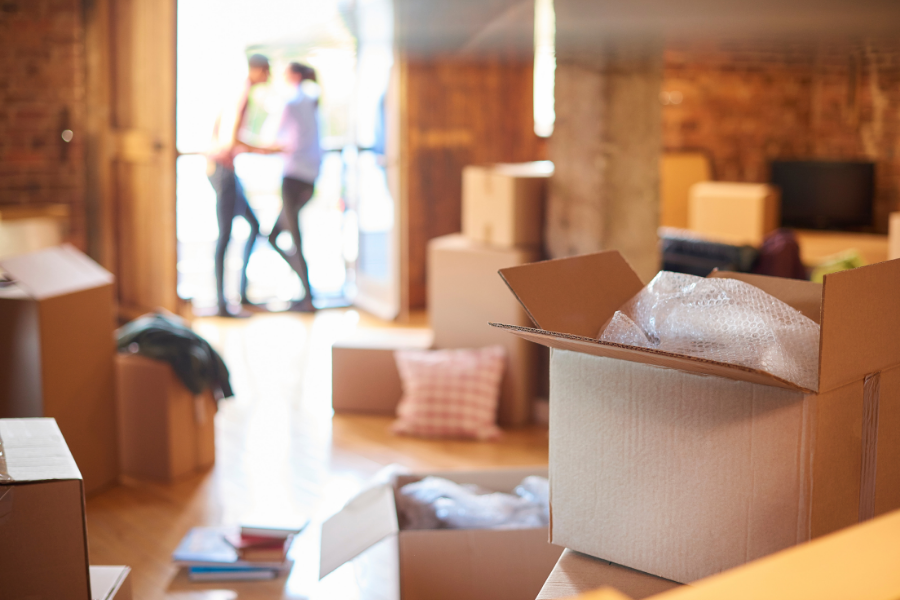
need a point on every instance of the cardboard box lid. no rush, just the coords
(34, 450)
(371, 515)
(571, 299)
(537, 168)
(107, 580)
(387, 339)
(729, 190)
(365, 520)
(55, 272)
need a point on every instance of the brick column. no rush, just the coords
(606, 144)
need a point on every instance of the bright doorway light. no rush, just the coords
(544, 67)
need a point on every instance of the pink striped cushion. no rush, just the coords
(450, 393)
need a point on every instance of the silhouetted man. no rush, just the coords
(230, 199)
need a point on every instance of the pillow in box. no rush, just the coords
(450, 393)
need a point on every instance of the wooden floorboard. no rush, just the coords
(279, 451)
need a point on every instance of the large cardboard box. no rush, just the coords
(57, 347)
(464, 295)
(503, 204)
(444, 564)
(110, 583)
(577, 573)
(734, 213)
(43, 539)
(861, 562)
(894, 236)
(165, 431)
(364, 376)
(682, 467)
(678, 171)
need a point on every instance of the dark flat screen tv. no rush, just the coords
(825, 194)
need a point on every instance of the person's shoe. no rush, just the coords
(248, 306)
(304, 306)
(240, 314)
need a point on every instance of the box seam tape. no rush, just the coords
(871, 397)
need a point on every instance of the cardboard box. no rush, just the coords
(43, 538)
(444, 564)
(678, 171)
(682, 467)
(577, 573)
(110, 583)
(166, 431)
(894, 236)
(861, 562)
(734, 213)
(503, 204)
(464, 295)
(57, 347)
(364, 376)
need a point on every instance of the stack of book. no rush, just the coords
(247, 553)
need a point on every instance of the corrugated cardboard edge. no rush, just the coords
(866, 337)
(575, 295)
(758, 376)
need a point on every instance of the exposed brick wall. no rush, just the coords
(749, 102)
(42, 92)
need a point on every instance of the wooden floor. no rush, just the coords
(279, 451)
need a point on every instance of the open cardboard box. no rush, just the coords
(476, 564)
(57, 345)
(110, 582)
(166, 432)
(683, 467)
(43, 536)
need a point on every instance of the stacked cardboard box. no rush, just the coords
(502, 216)
(681, 467)
(734, 213)
(57, 349)
(44, 552)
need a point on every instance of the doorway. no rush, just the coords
(348, 226)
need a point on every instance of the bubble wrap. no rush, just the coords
(724, 320)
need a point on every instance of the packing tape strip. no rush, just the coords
(871, 395)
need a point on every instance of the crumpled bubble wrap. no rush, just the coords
(437, 503)
(724, 320)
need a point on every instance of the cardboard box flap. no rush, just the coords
(34, 450)
(805, 296)
(698, 366)
(55, 272)
(575, 296)
(860, 324)
(367, 519)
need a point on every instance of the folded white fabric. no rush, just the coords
(719, 319)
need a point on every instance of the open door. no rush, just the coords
(131, 148)
(376, 201)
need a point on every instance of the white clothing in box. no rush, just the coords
(683, 467)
